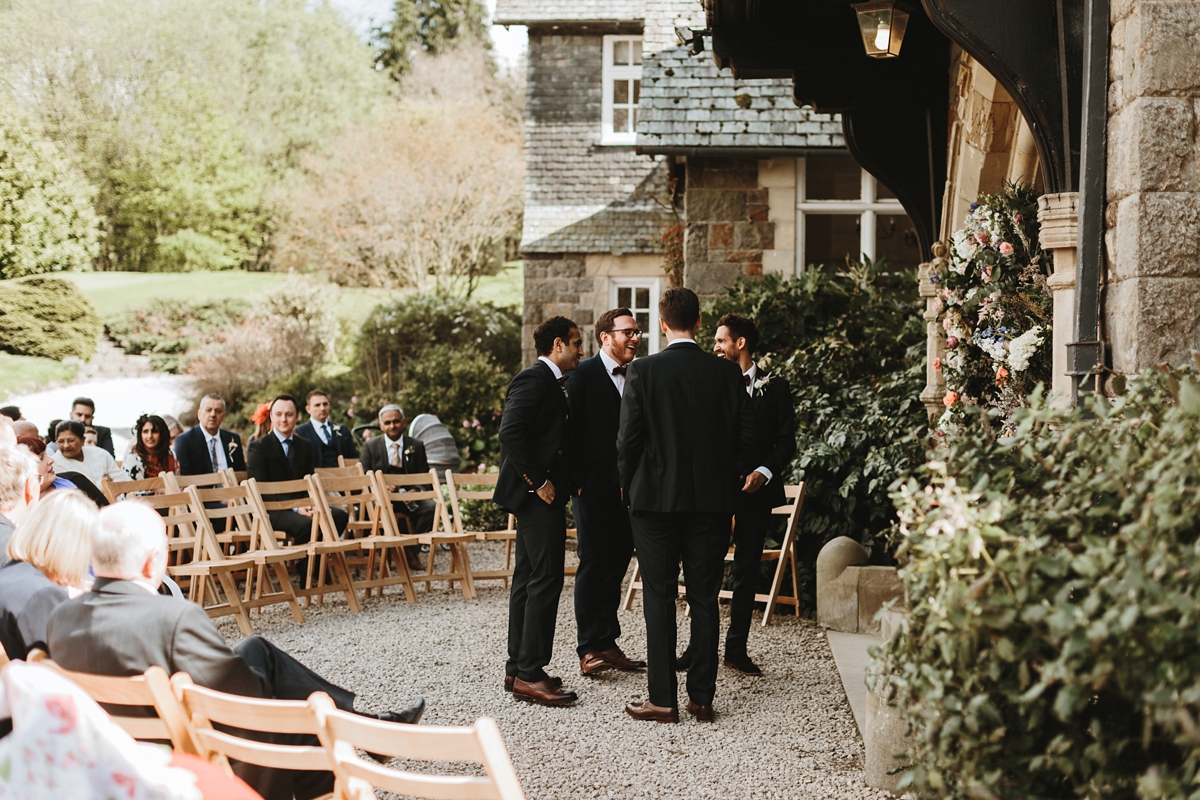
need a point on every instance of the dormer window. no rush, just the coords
(622, 87)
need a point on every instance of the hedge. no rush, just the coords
(47, 317)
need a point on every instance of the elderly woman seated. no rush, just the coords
(75, 456)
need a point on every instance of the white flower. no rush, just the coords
(761, 383)
(964, 248)
(1022, 348)
(994, 347)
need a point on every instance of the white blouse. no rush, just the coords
(96, 464)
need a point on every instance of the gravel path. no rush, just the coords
(789, 734)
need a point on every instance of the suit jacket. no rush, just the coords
(412, 456)
(268, 463)
(533, 439)
(120, 629)
(104, 439)
(687, 428)
(27, 598)
(6, 530)
(327, 454)
(194, 459)
(774, 440)
(595, 406)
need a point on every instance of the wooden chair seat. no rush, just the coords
(114, 489)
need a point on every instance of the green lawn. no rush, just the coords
(22, 373)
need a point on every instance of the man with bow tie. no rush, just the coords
(605, 542)
(534, 484)
(329, 440)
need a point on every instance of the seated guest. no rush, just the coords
(151, 454)
(122, 628)
(89, 436)
(51, 480)
(75, 456)
(24, 427)
(20, 488)
(173, 427)
(329, 440)
(393, 453)
(208, 448)
(84, 410)
(261, 420)
(48, 554)
(12, 412)
(51, 446)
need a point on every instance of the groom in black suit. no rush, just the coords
(774, 448)
(534, 484)
(686, 431)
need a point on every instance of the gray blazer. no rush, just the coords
(118, 628)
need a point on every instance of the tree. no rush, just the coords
(46, 219)
(432, 26)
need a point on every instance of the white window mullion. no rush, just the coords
(620, 86)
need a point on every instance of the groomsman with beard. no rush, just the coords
(774, 447)
(686, 430)
(605, 542)
(534, 484)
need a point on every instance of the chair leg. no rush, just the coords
(635, 583)
(791, 554)
(776, 582)
(464, 563)
(341, 569)
(235, 602)
(285, 582)
(401, 561)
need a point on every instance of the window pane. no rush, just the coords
(620, 120)
(643, 321)
(643, 299)
(830, 239)
(896, 241)
(832, 179)
(637, 90)
(637, 51)
(624, 296)
(882, 192)
(620, 91)
(620, 52)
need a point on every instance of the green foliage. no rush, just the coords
(432, 26)
(1053, 585)
(852, 347)
(20, 374)
(46, 317)
(47, 223)
(169, 330)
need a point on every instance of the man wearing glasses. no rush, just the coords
(605, 542)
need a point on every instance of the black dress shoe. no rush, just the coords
(742, 663)
(701, 713)
(683, 661)
(409, 716)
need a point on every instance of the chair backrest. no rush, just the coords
(399, 488)
(244, 520)
(358, 494)
(207, 706)
(205, 481)
(481, 743)
(795, 495)
(152, 689)
(347, 462)
(348, 471)
(187, 532)
(114, 489)
(456, 483)
(322, 523)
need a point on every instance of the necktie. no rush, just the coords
(395, 448)
(747, 378)
(325, 432)
(621, 370)
(562, 381)
(287, 448)
(212, 452)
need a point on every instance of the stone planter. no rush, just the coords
(849, 592)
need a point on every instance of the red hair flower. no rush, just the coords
(261, 414)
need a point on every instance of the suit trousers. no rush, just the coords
(700, 541)
(537, 583)
(285, 678)
(605, 545)
(299, 529)
(749, 534)
(422, 517)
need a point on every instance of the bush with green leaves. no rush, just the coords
(1053, 582)
(47, 317)
(170, 331)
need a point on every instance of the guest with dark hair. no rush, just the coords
(151, 454)
(12, 412)
(75, 456)
(51, 445)
(84, 410)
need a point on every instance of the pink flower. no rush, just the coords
(354, 400)
(937, 365)
(950, 399)
(1006, 249)
(466, 424)
(982, 238)
(985, 272)
(1017, 217)
(951, 342)
(1001, 377)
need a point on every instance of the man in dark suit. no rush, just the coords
(122, 627)
(329, 439)
(534, 484)
(207, 447)
(774, 447)
(393, 453)
(84, 410)
(686, 429)
(605, 542)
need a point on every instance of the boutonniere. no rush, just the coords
(761, 384)
(408, 451)
(231, 447)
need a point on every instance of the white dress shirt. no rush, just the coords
(753, 373)
(681, 341)
(609, 365)
(209, 440)
(558, 373)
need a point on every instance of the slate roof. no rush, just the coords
(524, 12)
(687, 102)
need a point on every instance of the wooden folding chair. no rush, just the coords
(405, 489)
(325, 550)
(204, 707)
(152, 689)
(247, 525)
(195, 560)
(209, 480)
(455, 483)
(357, 779)
(352, 471)
(347, 462)
(114, 489)
(360, 496)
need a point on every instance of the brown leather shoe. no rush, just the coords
(742, 663)
(622, 661)
(508, 682)
(543, 692)
(683, 661)
(645, 710)
(701, 713)
(593, 664)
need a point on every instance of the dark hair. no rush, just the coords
(604, 324)
(51, 430)
(84, 401)
(553, 328)
(679, 308)
(34, 443)
(741, 328)
(286, 397)
(314, 393)
(162, 454)
(72, 425)
(12, 412)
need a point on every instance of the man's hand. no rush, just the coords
(754, 482)
(547, 493)
(305, 511)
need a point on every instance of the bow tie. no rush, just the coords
(746, 377)
(621, 370)
(562, 381)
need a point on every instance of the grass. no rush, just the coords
(25, 373)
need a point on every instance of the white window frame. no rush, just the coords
(866, 208)
(612, 73)
(655, 287)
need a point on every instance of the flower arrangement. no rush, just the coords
(996, 309)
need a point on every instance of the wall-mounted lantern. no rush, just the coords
(882, 23)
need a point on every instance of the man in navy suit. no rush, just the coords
(329, 440)
(207, 447)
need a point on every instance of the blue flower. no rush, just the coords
(935, 278)
(974, 206)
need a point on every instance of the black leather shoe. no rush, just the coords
(742, 663)
(409, 716)
(701, 713)
(683, 661)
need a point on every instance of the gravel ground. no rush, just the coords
(789, 734)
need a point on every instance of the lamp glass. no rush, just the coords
(882, 25)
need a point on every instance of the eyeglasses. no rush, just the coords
(632, 333)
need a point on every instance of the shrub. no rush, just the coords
(170, 331)
(1053, 580)
(47, 317)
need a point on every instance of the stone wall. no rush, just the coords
(728, 225)
(1152, 298)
